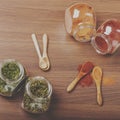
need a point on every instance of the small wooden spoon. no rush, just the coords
(97, 76)
(45, 55)
(84, 71)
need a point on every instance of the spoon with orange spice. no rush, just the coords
(85, 69)
(97, 76)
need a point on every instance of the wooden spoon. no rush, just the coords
(45, 55)
(97, 76)
(42, 62)
(86, 68)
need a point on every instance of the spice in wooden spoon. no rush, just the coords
(87, 80)
(97, 76)
(85, 69)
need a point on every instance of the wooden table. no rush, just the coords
(18, 20)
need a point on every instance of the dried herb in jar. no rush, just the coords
(35, 107)
(39, 88)
(12, 77)
(5, 89)
(11, 71)
(37, 95)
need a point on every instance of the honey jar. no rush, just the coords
(80, 21)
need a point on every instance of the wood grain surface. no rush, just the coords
(18, 20)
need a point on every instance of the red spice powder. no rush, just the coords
(87, 67)
(101, 43)
(86, 80)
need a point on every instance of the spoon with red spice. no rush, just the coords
(85, 69)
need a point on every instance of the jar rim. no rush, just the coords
(21, 74)
(76, 3)
(36, 78)
(97, 48)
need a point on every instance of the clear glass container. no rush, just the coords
(37, 96)
(107, 39)
(12, 75)
(80, 21)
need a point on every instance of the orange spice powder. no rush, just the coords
(87, 80)
(108, 81)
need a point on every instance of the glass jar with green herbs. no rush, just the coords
(37, 95)
(12, 74)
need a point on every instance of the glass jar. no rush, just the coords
(37, 95)
(80, 21)
(107, 39)
(12, 76)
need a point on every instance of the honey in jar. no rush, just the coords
(80, 21)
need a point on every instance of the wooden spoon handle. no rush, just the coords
(36, 45)
(99, 96)
(72, 85)
(45, 42)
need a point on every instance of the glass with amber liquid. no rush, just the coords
(80, 21)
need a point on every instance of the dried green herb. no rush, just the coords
(12, 77)
(39, 102)
(4, 88)
(39, 88)
(11, 71)
(2, 84)
(35, 107)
